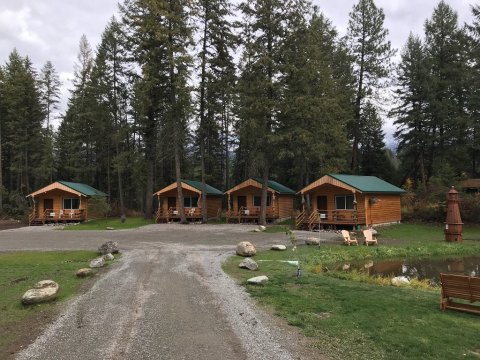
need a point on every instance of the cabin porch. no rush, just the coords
(327, 219)
(172, 214)
(54, 216)
(245, 215)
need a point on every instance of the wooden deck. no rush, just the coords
(50, 216)
(321, 219)
(172, 215)
(246, 215)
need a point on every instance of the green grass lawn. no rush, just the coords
(102, 224)
(361, 320)
(19, 271)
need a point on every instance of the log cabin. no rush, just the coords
(349, 201)
(245, 198)
(168, 202)
(61, 201)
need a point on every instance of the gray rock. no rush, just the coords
(246, 249)
(258, 280)
(278, 247)
(248, 263)
(312, 241)
(108, 257)
(108, 247)
(84, 272)
(346, 267)
(262, 228)
(43, 291)
(110, 228)
(400, 281)
(97, 263)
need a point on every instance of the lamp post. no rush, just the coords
(453, 224)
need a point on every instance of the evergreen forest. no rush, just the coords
(218, 92)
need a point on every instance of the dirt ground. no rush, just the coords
(166, 298)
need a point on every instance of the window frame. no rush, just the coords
(345, 202)
(190, 202)
(269, 200)
(71, 204)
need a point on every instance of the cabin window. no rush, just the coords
(257, 200)
(190, 201)
(71, 204)
(344, 202)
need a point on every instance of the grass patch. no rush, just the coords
(349, 316)
(116, 223)
(19, 271)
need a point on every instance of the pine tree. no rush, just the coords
(371, 53)
(445, 45)
(259, 88)
(217, 76)
(315, 103)
(414, 130)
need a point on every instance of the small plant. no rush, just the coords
(291, 236)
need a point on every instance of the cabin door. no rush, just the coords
(172, 202)
(48, 204)
(322, 203)
(242, 201)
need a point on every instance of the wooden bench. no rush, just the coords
(460, 287)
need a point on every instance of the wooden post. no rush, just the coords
(303, 202)
(229, 204)
(453, 223)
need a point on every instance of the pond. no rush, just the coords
(419, 268)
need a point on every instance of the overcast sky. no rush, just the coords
(51, 29)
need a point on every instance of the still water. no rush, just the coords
(420, 268)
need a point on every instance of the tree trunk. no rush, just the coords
(202, 111)
(263, 204)
(1, 173)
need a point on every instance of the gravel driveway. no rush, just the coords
(166, 298)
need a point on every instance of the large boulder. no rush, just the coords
(400, 281)
(248, 263)
(278, 247)
(84, 272)
(43, 291)
(108, 257)
(98, 262)
(258, 280)
(246, 249)
(312, 241)
(108, 247)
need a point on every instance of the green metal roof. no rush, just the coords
(198, 185)
(281, 189)
(368, 184)
(86, 190)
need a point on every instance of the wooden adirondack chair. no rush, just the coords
(369, 237)
(347, 240)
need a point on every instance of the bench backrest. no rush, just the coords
(475, 288)
(456, 286)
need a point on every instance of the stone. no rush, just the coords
(108, 257)
(97, 263)
(110, 228)
(258, 280)
(248, 263)
(43, 291)
(346, 267)
(312, 241)
(278, 247)
(108, 247)
(246, 249)
(400, 281)
(257, 230)
(84, 272)
(368, 264)
(262, 228)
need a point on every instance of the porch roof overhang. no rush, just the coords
(327, 180)
(55, 186)
(247, 183)
(173, 186)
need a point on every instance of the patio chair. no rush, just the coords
(369, 237)
(347, 240)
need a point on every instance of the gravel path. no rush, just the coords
(166, 298)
